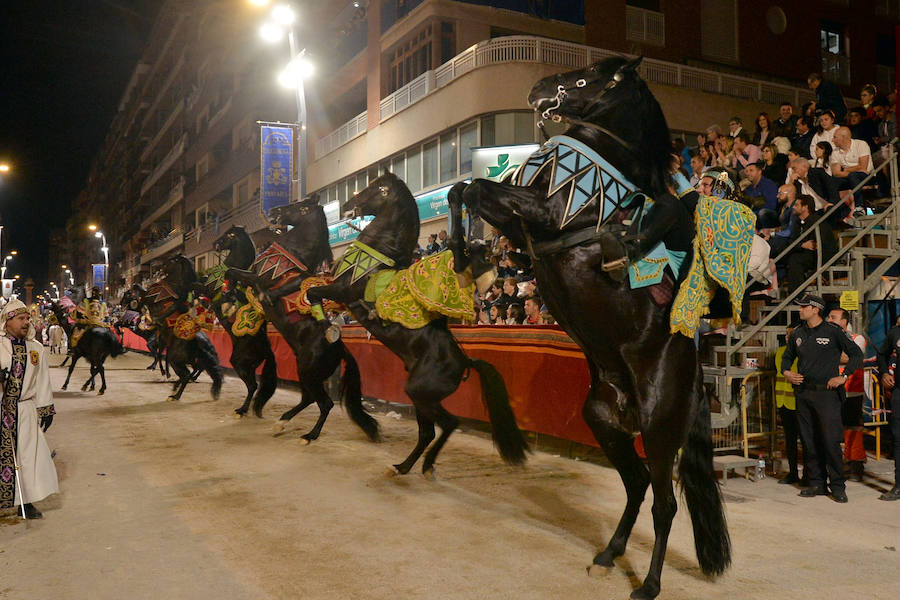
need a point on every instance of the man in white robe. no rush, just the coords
(26, 412)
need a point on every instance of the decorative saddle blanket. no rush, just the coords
(725, 231)
(278, 264)
(361, 259)
(422, 293)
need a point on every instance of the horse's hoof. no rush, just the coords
(305, 442)
(63, 388)
(392, 472)
(238, 415)
(279, 426)
(171, 399)
(429, 474)
(101, 392)
(643, 593)
(596, 570)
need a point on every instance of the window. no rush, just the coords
(398, 166)
(448, 156)
(524, 127)
(241, 192)
(834, 46)
(202, 121)
(410, 58)
(430, 164)
(201, 216)
(202, 168)
(488, 135)
(468, 137)
(361, 182)
(448, 42)
(414, 170)
(201, 263)
(832, 39)
(718, 30)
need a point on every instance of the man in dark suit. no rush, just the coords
(804, 257)
(828, 97)
(802, 138)
(819, 185)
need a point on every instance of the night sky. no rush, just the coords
(64, 65)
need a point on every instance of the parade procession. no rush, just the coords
(386, 299)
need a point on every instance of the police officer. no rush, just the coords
(818, 346)
(891, 345)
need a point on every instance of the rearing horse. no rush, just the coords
(277, 269)
(643, 378)
(432, 357)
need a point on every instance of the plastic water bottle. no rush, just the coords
(760, 468)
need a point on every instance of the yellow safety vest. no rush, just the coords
(784, 391)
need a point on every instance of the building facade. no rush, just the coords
(411, 86)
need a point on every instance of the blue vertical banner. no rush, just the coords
(277, 166)
(99, 278)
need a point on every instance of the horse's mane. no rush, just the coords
(640, 121)
(309, 242)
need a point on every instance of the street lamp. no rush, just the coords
(103, 247)
(71, 277)
(8, 257)
(298, 68)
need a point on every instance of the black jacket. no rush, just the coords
(828, 97)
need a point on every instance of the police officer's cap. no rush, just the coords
(811, 300)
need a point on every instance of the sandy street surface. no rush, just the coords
(181, 500)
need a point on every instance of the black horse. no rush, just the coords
(95, 344)
(248, 351)
(643, 378)
(432, 357)
(131, 319)
(197, 352)
(316, 358)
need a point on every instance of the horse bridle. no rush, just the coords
(562, 92)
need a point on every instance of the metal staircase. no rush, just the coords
(745, 417)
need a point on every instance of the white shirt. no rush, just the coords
(759, 258)
(851, 156)
(825, 136)
(807, 189)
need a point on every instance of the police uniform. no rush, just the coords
(818, 350)
(891, 345)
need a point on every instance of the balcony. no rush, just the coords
(248, 215)
(162, 130)
(645, 26)
(164, 165)
(161, 247)
(175, 196)
(352, 129)
(566, 55)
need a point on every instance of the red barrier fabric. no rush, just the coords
(133, 341)
(545, 372)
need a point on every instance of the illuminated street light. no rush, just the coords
(259, 2)
(4, 168)
(271, 33)
(13, 252)
(283, 14)
(92, 227)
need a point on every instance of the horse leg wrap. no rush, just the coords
(316, 311)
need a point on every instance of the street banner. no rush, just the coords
(99, 277)
(277, 166)
(8, 288)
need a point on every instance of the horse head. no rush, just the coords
(179, 272)
(382, 193)
(307, 237)
(609, 107)
(293, 214)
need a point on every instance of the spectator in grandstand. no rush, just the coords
(815, 183)
(862, 128)
(890, 346)
(803, 136)
(745, 153)
(822, 157)
(824, 132)
(758, 270)
(775, 163)
(786, 123)
(442, 240)
(496, 290)
(510, 292)
(432, 246)
(803, 258)
(705, 153)
(762, 192)
(498, 314)
(851, 162)
(885, 121)
(735, 126)
(867, 96)
(697, 169)
(763, 134)
(528, 288)
(787, 220)
(505, 266)
(828, 97)
(515, 314)
(547, 318)
(851, 411)
(809, 110)
(533, 310)
(713, 132)
(723, 152)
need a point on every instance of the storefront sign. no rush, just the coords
(495, 162)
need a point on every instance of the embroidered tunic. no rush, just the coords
(26, 398)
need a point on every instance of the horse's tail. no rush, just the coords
(506, 433)
(701, 490)
(351, 397)
(268, 381)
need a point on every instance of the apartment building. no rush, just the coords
(411, 86)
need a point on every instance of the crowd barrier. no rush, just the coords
(545, 373)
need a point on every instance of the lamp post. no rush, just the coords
(3, 268)
(298, 68)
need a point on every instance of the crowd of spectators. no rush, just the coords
(794, 168)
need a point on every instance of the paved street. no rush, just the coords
(181, 500)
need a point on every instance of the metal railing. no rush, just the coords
(547, 51)
(352, 129)
(875, 222)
